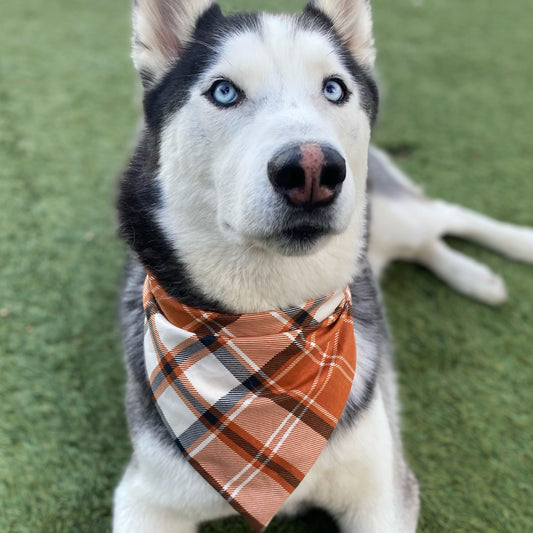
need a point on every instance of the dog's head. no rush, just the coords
(262, 125)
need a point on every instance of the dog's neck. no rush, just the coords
(252, 280)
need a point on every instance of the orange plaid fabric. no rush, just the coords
(250, 400)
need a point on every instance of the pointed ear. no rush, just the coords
(352, 19)
(161, 29)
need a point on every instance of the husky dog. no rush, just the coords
(248, 192)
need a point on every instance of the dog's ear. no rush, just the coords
(161, 29)
(352, 19)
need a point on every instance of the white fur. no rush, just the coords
(217, 196)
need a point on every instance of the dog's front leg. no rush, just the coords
(372, 489)
(134, 512)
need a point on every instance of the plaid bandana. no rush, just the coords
(251, 399)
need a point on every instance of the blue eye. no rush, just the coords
(224, 93)
(334, 91)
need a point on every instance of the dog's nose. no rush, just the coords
(308, 175)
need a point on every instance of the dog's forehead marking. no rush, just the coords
(280, 52)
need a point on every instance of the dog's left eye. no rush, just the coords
(335, 91)
(224, 93)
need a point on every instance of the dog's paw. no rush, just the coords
(463, 273)
(487, 287)
(478, 281)
(519, 244)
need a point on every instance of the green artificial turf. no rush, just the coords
(457, 115)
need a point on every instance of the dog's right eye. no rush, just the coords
(223, 93)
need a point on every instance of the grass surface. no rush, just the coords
(458, 117)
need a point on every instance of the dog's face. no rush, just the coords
(263, 123)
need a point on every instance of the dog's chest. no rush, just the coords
(349, 468)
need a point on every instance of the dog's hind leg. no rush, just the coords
(408, 226)
(463, 273)
(510, 240)
(410, 229)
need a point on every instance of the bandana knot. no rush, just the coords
(250, 399)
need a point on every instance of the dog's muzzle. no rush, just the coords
(307, 175)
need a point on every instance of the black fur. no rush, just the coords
(139, 194)
(173, 90)
(369, 322)
(315, 19)
(140, 408)
(138, 201)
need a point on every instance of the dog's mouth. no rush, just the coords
(303, 234)
(297, 240)
(292, 232)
